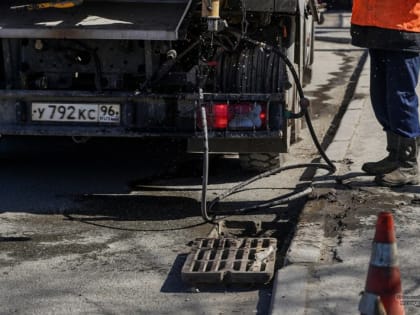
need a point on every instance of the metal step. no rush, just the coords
(230, 261)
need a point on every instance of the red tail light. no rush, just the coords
(263, 116)
(220, 116)
(239, 116)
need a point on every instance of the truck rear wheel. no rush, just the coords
(261, 161)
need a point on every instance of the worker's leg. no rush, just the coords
(402, 101)
(378, 86)
(402, 70)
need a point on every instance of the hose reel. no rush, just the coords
(251, 70)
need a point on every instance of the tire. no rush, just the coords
(307, 75)
(260, 161)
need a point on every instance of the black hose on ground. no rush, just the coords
(206, 211)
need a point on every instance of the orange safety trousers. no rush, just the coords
(403, 15)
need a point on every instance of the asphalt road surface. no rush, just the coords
(104, 227)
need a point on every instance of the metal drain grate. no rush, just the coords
(230, 260)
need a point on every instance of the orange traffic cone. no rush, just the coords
(383, 293)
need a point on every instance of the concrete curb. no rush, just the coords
(286, 299)
(305, 249)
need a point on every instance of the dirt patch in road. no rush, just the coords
(353, 209)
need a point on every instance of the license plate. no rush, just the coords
(68, 112)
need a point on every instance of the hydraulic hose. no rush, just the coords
(206, 211)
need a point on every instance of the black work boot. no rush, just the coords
(389, 163)
(407, 171)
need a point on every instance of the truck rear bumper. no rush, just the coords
(138, 114)
(141, 116)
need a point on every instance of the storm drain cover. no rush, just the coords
(230, 260)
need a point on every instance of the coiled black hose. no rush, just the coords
(206, 211)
